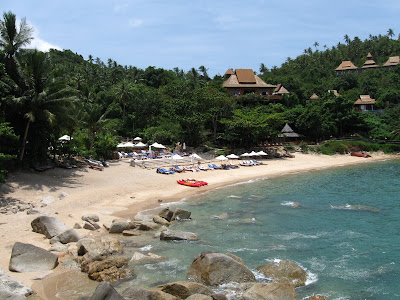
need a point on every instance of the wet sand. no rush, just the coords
(121, 191)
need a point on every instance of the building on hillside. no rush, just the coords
(244, 81)
(288, 134)
(364, 104)
(314, 97)
(348, 67)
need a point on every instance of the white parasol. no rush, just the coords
(221, 157)
(232, 156)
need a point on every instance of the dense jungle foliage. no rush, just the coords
(47, 95)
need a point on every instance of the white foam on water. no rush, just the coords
(297, 235)
(288, 203)
(243, 250)
(146, 248)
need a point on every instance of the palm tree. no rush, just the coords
(316, 44)
(123, 92)
(347, 39)
(390, 33)
(203, 70)
(42, 97)
(12, 39)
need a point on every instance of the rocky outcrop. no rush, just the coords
(270, 291)
(169, 235)
(159, 220)
(119, 227)
(166, 213)
(49, 226)
(106, 268)
(29, 258)
(181, 214)
(213, 268)
(284, 271)
(183, 289)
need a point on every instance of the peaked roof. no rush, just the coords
(280, 90)
(289, 132)
(346, 65)
(314, 96)
(365, 99)
(245, 76)
(392, 61)
(229, 72)
(256, 82)
(369, 63)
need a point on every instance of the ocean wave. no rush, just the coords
(297, 235)
(146, 248)
(291, 204)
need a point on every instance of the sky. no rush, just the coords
(217, 34)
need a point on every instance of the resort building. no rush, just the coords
(348, 67)
(364, 104)
(244, 81)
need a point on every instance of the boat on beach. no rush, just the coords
(192, 182)
(360, 154)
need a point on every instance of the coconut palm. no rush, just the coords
(12, 39)
(42, 97)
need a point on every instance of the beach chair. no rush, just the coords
(179, 169)
(176, 170)
(163, 171)
(216, 167)
(203, 168)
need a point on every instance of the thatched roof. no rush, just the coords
(245, 78)
(369, 63)
(392, 61)
(346, 65)
(314, 97)
(365, 99)
(280, 90)
(287, 131)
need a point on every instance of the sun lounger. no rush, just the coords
(203, 168)
(163, 171)
(192, 169)
(176, 170)
(216, 167)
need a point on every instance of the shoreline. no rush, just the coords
(122, 191)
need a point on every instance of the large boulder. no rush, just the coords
(106, 268)
(10, 286)
(166, 213)
(29, 258)
(213, 268)
(199, 297)
(6, 295)
(169, 235)
(270, 291)
(87, 245)
(138, 293)
(49, 226)
(159, 220)
(119, 227)
(183, 289)
(284, 271)
(104, 291)
(66, 237)
(148, 226)
(181, 214)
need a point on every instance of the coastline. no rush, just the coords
(122, 191)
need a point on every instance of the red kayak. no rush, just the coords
(192, 182)
(359, 154)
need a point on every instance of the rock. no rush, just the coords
(90, 218)
(49, 226)
(62, 195)
(237, 258)
(68, 236)
(16, 288)
(29, 258)
(130, 233)
(86, 245)
(181, 214)
(111, 244)
(318, 297)
(77, 226)
(138, 293)
(31, 211)
(199, 297)
(132, 224)
(140, 257)
(104, 291)
(147, 226)
(166, 214)
(119, 227)
(90, 226)
(69, 264)
(169, 235)
(47, 200)
(107, 268)
(270, 291)
(183, 289)
(159, 220)
(284, 271)
(59, 247)
(107, 226)
(211, 268)
(6, 295)
(37, 187)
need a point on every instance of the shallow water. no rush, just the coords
(345, 233)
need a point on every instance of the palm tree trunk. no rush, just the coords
(21, 154)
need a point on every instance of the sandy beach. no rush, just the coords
(121, 191)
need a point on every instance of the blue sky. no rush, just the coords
(218, 34)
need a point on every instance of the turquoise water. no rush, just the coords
(346, 233)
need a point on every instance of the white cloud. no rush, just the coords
(135, 23)
(38, 43)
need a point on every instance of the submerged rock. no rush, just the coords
(181, 214)
(284, 271)
(213, 268)
(169, 235)
(160, 220)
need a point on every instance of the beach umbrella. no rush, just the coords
(245, 154)
(157, 145)
(194, 155)
(221, 157)
(176, 157)
(129, 145)
(137, 139)
(65, 138)
(252, 153)
(121, 145)
(140, 145)
(232, 156)
(262, 153)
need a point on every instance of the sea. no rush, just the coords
(341, 225)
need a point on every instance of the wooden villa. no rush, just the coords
(364, 104)
(244, 81)
(348, 67)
